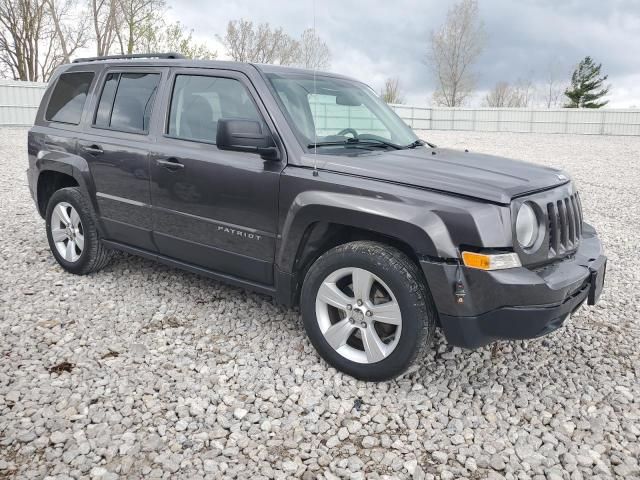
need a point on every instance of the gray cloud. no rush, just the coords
(374, 40)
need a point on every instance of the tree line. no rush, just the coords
(454, 51)
(36, 36)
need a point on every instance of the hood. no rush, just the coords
(486, 177)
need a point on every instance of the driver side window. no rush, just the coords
(198, 102)
(330, 117)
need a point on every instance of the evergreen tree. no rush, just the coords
(587, 86)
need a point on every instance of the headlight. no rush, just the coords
(527, 226)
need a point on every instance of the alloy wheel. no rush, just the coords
(358, 315)
(67, 232)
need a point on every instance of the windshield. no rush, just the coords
(338, 113)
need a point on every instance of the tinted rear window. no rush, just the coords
(126, 101)
(68, 97)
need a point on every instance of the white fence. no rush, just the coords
(19, 102)
(562, 120)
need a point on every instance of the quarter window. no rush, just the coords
(126, 101)
(198, 102)
(68, 98)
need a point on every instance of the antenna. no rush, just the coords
(315, 104)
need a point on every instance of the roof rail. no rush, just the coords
(171, 55)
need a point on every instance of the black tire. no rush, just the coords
(94, 255)
(402, 276)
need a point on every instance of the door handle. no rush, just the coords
(170, 164)
(93, 149)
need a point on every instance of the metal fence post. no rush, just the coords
(531, 121)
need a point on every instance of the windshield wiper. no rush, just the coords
(417, 143)
(420, 143)
(356, 141)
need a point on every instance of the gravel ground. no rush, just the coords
(143, 371)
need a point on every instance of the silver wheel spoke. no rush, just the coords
(58, 234)
(66, 231)
(373, 346)
(330, 294)
(70, 251)
(80, 241)
(61, 211)
(338, 333)
(358, 316)
(387, 313)
(75, 218)
(362, 282)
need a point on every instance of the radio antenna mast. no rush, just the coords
(315, 103)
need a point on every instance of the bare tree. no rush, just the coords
(29, 48)
(69, 26)
(274, 46)
(499, 96)
(390, 93)
(134, 18)
(246, 42)
(313, 52)
(104, 17)
(173, 38)
(239, 40)
(505, 95)
(454, 49)
(525, 92)
(554, 86)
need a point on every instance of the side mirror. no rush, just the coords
(246, 136)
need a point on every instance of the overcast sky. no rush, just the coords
(373, 40)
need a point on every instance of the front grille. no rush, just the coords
(565, 224)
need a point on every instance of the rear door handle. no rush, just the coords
(170, 164)
(93, 149)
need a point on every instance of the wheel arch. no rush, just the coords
(50, 181)
(57, 171)
(314, 228)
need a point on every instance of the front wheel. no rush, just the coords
(367, 310)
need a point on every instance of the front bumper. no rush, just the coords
(517, 303)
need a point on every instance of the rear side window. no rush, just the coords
(126, 101)
(68, 97)
(198, 102)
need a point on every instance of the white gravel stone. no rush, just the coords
(177, 376)
(240, 413)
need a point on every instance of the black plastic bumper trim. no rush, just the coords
(511, 323)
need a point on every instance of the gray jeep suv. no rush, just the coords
(307, 187)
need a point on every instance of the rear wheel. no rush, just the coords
(367, 310)
(72, 233)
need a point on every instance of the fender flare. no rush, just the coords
(73, 166)
(423, 230)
